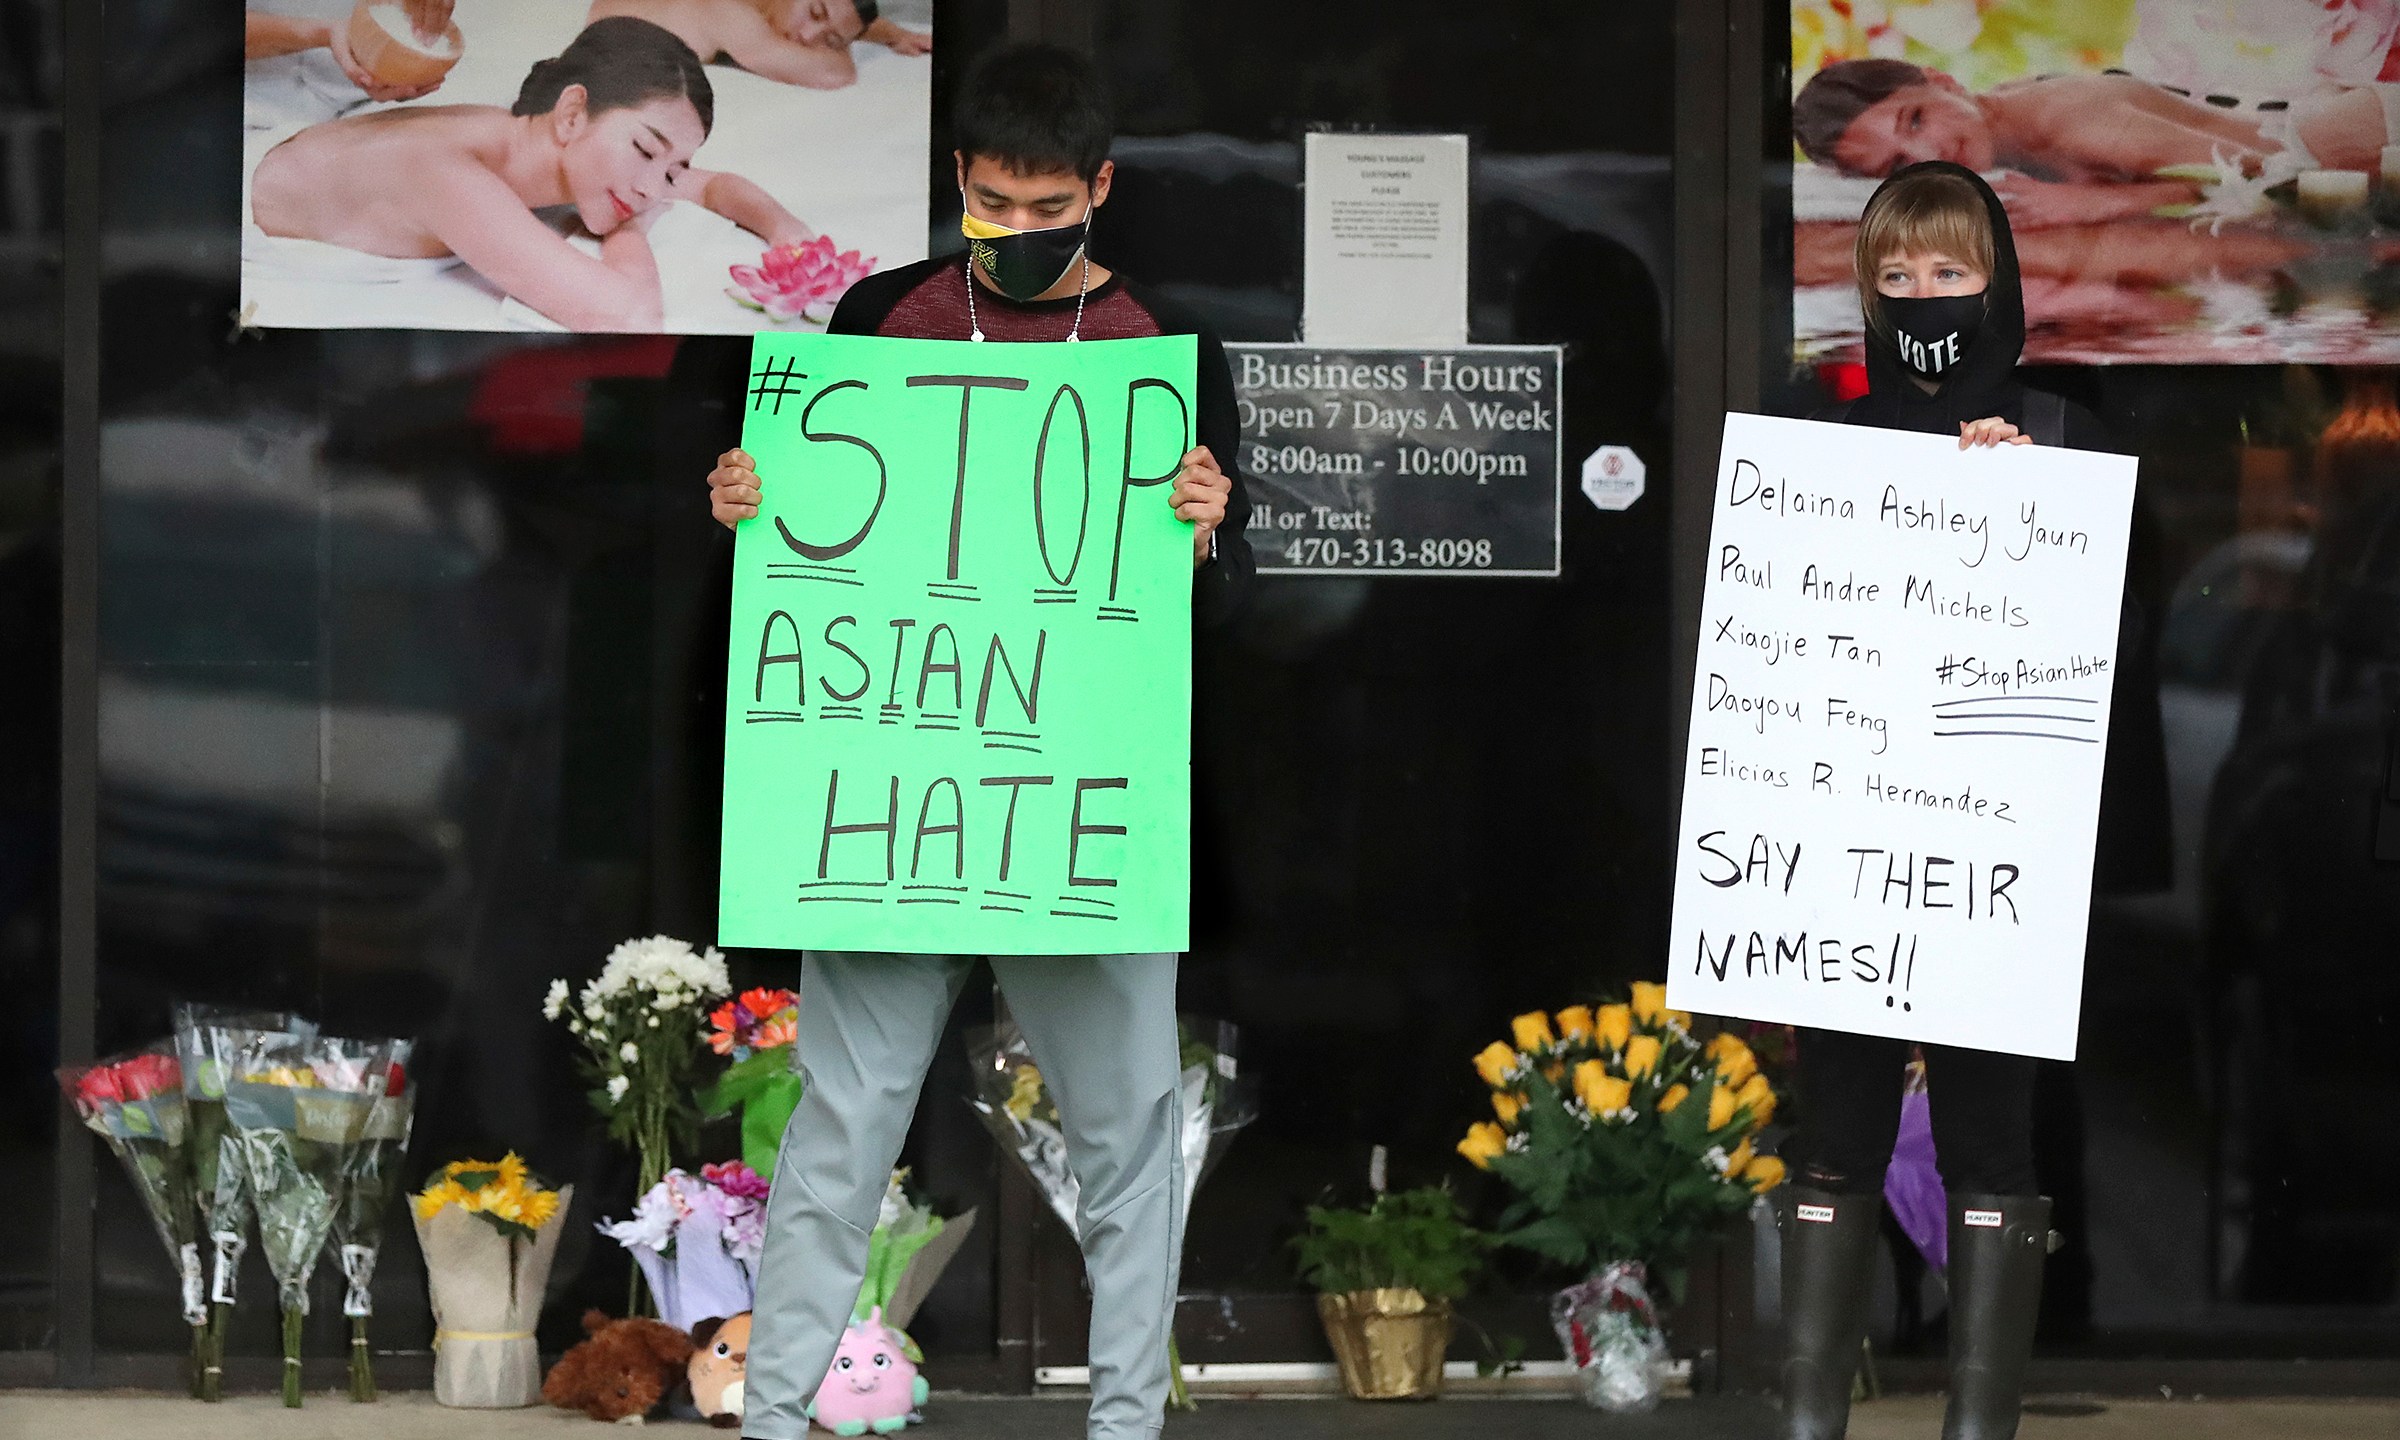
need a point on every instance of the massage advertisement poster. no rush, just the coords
(1899, 720)
(646, 166)
(2189, 181)
(958, 688)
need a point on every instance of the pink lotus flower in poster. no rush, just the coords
(792, 282)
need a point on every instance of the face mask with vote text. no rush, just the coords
(1933, 331)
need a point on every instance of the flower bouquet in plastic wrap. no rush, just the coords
(298, 1107)
(756, 1032)
(370, 1179)
(1217, 1101)
(135, 1103)
(907, 1253)
(1610, 1330)
(1627, 1140)
(697, 1240)
(488, 1233)
(205, 1040)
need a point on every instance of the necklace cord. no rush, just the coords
(1083, 290)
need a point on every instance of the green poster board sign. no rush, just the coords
(958, 689)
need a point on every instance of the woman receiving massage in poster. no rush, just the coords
(798, 42)
(2084, 188)
(608, 127)
(2085, 148)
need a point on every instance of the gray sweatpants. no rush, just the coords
(1102, 1029)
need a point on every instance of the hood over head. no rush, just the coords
(1983, 382)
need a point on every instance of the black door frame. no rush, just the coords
(1719, 168)
(83, 76)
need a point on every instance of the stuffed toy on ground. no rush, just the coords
(621, 1370)
(720, 1369)
(873, 1385)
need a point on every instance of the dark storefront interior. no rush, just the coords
(393, 652)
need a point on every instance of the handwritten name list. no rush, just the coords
(1899, 716)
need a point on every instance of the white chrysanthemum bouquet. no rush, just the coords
(643, 1025)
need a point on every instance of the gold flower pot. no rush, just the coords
(1389, 1343)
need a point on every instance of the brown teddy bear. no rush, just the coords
(720, 1368)
(621, 1370)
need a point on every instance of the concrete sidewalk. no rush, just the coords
(55, 1415)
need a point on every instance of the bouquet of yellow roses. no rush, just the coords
(296, 1107)
(1624, 1136)
(489, 1232)
(1626, 1139)
(208, 1040)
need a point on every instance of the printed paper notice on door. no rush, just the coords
(958, 693)
(1899, 717)
(1384, 259)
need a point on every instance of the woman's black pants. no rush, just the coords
(1850, 1087)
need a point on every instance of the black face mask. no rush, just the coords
(1933, 331)
(1024, 263)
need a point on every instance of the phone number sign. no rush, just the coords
(1401, 462)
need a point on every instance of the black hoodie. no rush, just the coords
(1984, 383)
(2134, 845)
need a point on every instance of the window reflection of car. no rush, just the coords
(2211, 636)
(2300, 922)
(248, 774)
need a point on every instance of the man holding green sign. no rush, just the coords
(958, 714)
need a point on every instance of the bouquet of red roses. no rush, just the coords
(298, 1108)
(135, 1103)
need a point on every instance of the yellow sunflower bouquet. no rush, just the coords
(1624, 1136)
(489, 1232)
(505, 1195)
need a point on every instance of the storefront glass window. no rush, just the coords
(2218, 1190)
(404, 691)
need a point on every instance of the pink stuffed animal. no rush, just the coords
(873, 1384)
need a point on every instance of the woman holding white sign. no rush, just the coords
(1937, 276)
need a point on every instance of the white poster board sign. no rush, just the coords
(1899, 716)
(1384, 260)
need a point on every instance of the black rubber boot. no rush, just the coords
(1997, 1246)
(1829, 1245)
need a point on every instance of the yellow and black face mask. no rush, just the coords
(1024, 263)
